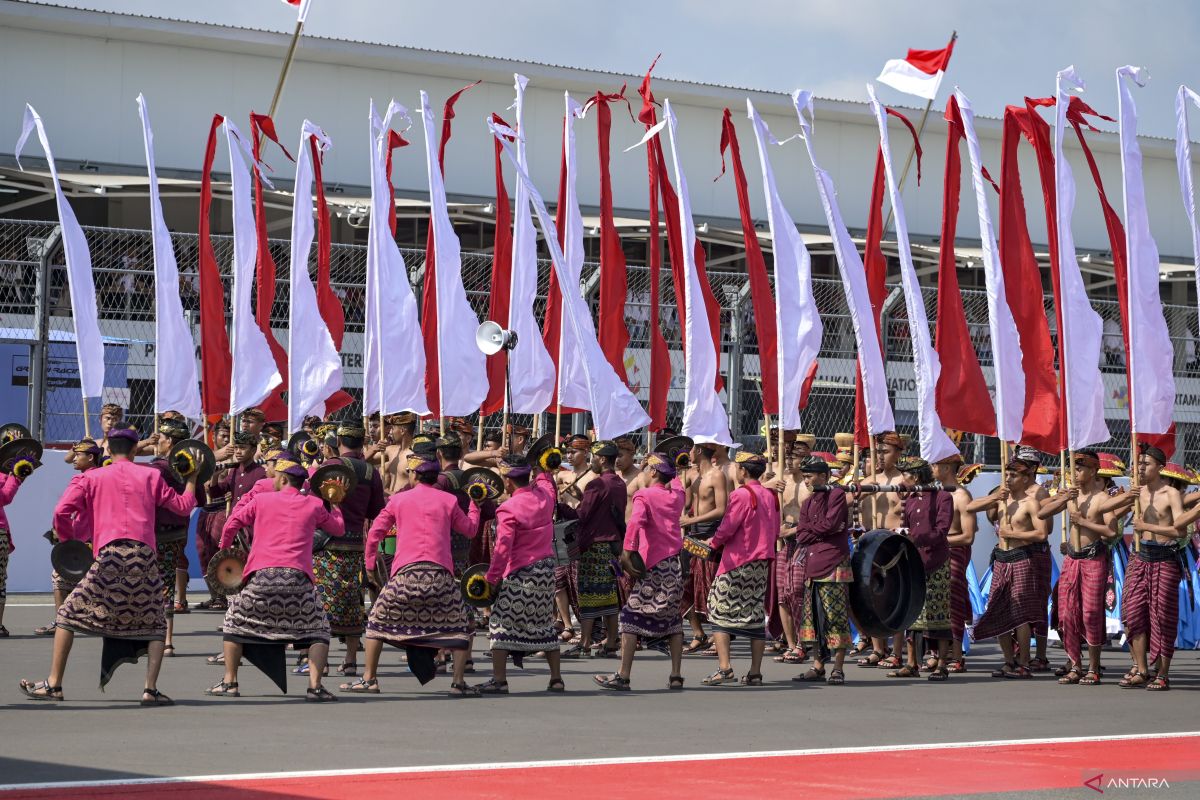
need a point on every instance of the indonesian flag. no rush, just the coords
(920, 72)
(302, 7)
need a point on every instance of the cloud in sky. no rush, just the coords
(1005, 50)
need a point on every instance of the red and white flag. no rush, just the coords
(920, 72)
(301, 7)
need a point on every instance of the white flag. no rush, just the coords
(394, 374)
(462, 366)
(314, 365)
(1183, 160)
(798, 326)
(176, 387)
(704, 418)
(89, 345)
(854, 283)
(530, 368)
(254, 370)
(1006, 343)
(614, 408)
(1151, 363)
(935, 444)
(1083, 386)
(302, 7)
(573, 388)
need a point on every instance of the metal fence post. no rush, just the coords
(733, 383)
(38, 358)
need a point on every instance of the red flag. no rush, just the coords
(395, 142)
(660, 357)
(756, 267)
(274, 407)
(963, 401)
(327, 302)
(611, 328)
(216, 364)
(1023, 281)
(498, 304)
(429, 286)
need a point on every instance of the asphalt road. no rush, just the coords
(97, 736)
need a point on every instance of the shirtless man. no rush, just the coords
(111, 415)
(1018, 599)
(577, 454)
(627, 470)
(1150, 605)
(1084, 578)
(789, 576)
(394, 452)
(963, 527)
(884, 511)
(707, 498)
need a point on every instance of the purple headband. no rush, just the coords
(123, 433)
(661, 464)
(428, 466)
(293, 469)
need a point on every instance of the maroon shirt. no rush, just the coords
(928, 516)
(821, 530)
(365, 502)
(237, 481)
(602, 510)
(169, 519)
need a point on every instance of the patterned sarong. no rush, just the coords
(652, 609)
(522, 619)
(460, 553)
(339, 587)
(277, 604)
(1042, 562)
(481, 545)
(934, 620)
(1015, 599)
(5, 549)
(596, 582)
(735, 602)
(961, 613)
(1082, 584)
(421, 606)
(208, 537)
(789, 580)
(824, 617)
(169, 559)
(1150, 604)
(120, 596)
(60, 583)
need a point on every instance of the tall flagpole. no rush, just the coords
(283, 73)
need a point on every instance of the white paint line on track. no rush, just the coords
(29, 605)
(590, 762)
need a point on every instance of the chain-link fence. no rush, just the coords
(44, 376)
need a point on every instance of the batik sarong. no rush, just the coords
(339, 587)
(522, 619)
(421, 606)
(5, 549)
(277, 604)
(169, 558)
(596, 582)
(652, 609)
(824, 617)
(735, 602)
(934, 620)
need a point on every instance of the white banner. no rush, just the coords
(176, 386)
(854, 282)
(88, 345)
(1082, 326)
(462, 366)
(314, 366)
(614, 408)
(530, 368)
(394, 370)
(1183, 160)
(1006, 342)
(573, 389)
(254, 370)
(798, 328)
(935, 444)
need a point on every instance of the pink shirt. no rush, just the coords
(284, 523)
(261, 485)
(121, 500)
(749, 527)
(8, 490)
(424, 516)
(653, 527)
(83, 519)
(524, 530)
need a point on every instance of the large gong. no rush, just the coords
(888, 592)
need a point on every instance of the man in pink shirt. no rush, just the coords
(10, 481)
(652, 610)
(746, 540)
(278, 603)
(421, 608)
(120, 598)
(522, 618)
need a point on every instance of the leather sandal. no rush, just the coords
(719, 677)
(752, 679)
(361, 686)
(41, 690)
(223, 689)
(872, 660)
(1135, 680)
(614, 682)
(811, 676)
(319, 695)
(493, 686)
(463, 689)
(1092, 678)
(675, 683)
(156, 699)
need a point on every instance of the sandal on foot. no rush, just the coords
(752, 679)
(156, 699)
(812, 675)
(999, 673)
(1134, 680)
(697, 644)
(1037, 664)
(45, 630)
(863, 646)
(348, 670)
(566, 635)
(939, 675)
(614, 682)
(1072, 676)
(719, 677)
(41, 690)
(1161, 683)
(169, 650)
(675, 683)
(361, 686)
(836, 678)
(216, 661)
(463, 689)
(181, 608)
(319, 695)
(791, 657)
(871, 660)
(907, 671)
(1092, 678)
(556, 685)
(493, 686)
(891, 662)
(223, 689)
(1017, 673)
(577, 652)
(957, 666)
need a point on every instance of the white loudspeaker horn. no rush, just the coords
(491, 338)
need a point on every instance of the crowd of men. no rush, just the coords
(590, 551)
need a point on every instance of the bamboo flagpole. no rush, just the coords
(1003, 541)
(287, 66)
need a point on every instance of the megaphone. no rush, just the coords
(491, 338)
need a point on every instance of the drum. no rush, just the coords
(71, 559)
(888, 591)
(566, 548)
(225, 570)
